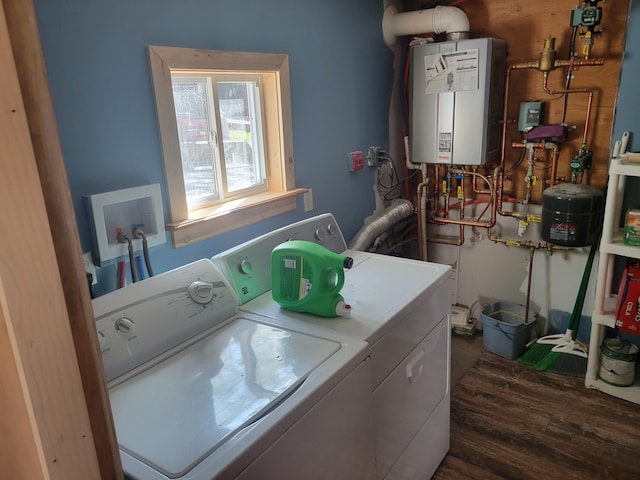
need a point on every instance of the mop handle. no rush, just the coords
(582, 292)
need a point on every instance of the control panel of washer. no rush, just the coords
(142, 321)
(248, 266)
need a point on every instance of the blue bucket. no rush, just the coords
(504, 330)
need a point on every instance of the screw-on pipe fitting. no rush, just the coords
(548, 56)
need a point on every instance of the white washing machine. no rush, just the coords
(199, 391)
(401, 308)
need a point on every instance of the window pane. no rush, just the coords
(196, 143)
(241, 134)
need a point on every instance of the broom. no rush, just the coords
(570, 359)
(568, 356)
(543, 345)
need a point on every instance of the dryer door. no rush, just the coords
(405, 400)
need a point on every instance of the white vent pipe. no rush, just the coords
(441, 19)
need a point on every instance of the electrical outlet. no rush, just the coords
(90, 267)
(356, 161)
(308, 201)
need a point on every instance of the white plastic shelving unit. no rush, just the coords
(611, 246)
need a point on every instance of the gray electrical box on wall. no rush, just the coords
(457, 92)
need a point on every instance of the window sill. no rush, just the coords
(212, 221)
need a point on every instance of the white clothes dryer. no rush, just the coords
(401, 308)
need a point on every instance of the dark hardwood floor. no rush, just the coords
(509, 421)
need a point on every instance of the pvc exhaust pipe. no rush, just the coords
(441, 19)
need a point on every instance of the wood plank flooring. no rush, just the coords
(509, 421)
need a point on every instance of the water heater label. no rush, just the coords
(451, 72)
(444, 146)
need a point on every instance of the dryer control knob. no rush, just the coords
(201, 292)
(320, 234)
(332, 229)
(124, 325)
(101, 339)
(246, 267)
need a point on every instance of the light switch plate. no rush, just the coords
(308, 201)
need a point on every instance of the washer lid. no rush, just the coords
(177, 412)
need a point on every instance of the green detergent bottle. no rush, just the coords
(307, 277)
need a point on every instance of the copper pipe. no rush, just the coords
(555, 155)
(524, 145)
(436, 185)
(529, 244)
(499, 180)
(461, 197)
(499, 172)
(580, 62)
(498, 177)
(446, 204)
(470, 223)
(576, 90)
(515, 66)
(474, 186)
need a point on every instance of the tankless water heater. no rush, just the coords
(456, 101)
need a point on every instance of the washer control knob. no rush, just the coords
(101, 338)
(332, 229)
(319, 234)
(246, 267)
(201, 292)
(124, 325)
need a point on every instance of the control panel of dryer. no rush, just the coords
(150, 318)
(248, 266)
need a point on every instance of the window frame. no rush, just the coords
(189, 226)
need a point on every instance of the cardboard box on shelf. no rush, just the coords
(632, 228)
(627, 309)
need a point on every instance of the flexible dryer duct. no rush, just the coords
(398, 210)
(441, 19)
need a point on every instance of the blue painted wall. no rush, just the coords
(626, 117)
(628, 104)
(97, 64)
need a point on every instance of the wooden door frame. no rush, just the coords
(56, 411)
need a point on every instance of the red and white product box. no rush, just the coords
(627, 309)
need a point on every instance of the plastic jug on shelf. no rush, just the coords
(307, 277)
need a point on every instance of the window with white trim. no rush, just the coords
(225, 127)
